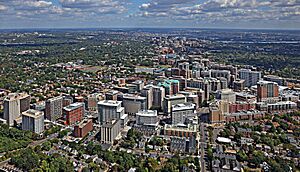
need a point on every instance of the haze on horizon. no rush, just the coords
(247, 14)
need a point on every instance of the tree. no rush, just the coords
(27, 159)
(63, 133)
(242, 156)
(46, 146)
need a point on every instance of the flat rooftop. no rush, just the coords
(84, 122)
(33, 113)
(183, 106)
(109, 103)
(73, 106)
(133, 97)
(147, 113)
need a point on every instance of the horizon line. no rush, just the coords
(129, 27)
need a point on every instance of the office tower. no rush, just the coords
(148, 93)
(239, 85)
(228, 95)
(109, 131)
(172, 100)
(158, 97)
(193, 98)
(195, 83)
(201, 96)
(206, 89)
(139, 84)
(216, 115)
(180, 112)
(274, 78)
(74, 113)
(83, 128)
(92, 101)
(223, 82)
(232, 69)
(24, 102)
(67, 100)
(14, 104)
(134, 103)
(182, 82)
(53, 109)
(171, 86)
(111, 95)
(184, 69)
(221, 73)
(146, 117)
(109, 109)
(33, 120)
(267, 92)
(251, 77)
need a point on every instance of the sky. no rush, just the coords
(247, 14)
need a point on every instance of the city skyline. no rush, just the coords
(239, 14)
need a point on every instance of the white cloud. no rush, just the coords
(2, 7)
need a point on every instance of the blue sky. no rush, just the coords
(274, 14)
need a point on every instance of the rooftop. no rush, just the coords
(177, 96)
(84, 122)
(223, 140)
(168, 82)
(266, 82)
(110, 123)
(14, 96)
(181, 127)
(147, 113)
(133, 97)
(109, 103)
(73, 106)
(183, 106)
(33, 113)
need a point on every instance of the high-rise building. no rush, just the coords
(221, 73)
(169, 101)
(148, 93)
(92, 101)
(180, 112)
(182, 82)
(73, 113)
(239, 85)
(33, 120)
(267, 92)
(146, 117)
(274, 78)
(200, 96)
(227, 95)
(251, 77)
(14, 105)
(184, 70)
(67, 100)
(24, 102)
(210, 85)
(171, 86)
(134, 103)
(216, 115)
(53, 109)
(158, 97)
(195, 83)
(109, 131)
(139, 85)
(111, 95)
(109, 109)
(83, 128)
